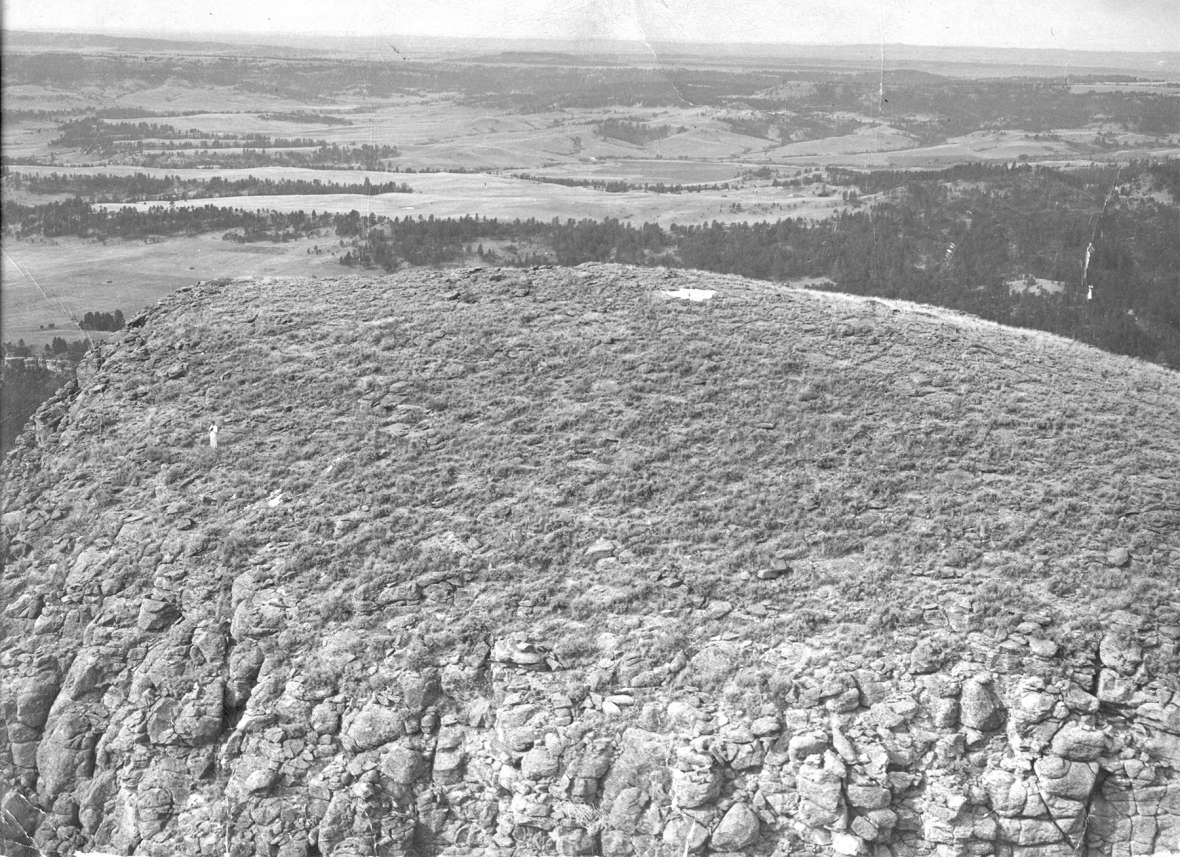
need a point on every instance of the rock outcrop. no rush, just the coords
(551, 561)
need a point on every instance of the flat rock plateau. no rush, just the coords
(513, 562)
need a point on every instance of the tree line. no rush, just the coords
(80, 219)
(935, 244)
(932, 242)
(878, 181)
(305, 116)
(359, 157)
(638, 133)
(92, 134)
(140, 187)
(251, 150)
(101, 321)
(621, 186)
(932, 108)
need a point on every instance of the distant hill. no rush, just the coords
(956, 60)
(599, 560)
(538, 57)
(901, 76)
(32, 40)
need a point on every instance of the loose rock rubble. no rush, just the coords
(533, 586)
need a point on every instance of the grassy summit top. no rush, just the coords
(585, 459)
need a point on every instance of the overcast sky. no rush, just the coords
(1070, 24)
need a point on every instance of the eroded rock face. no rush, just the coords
(195, 664)
(528, 756)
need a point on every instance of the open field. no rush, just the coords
(447, 129)
(1148, 86)
(999, 146)
(172, 96)
(452, 137)
(506, 196)
(456, 195)
(684, 172)
(80, 276)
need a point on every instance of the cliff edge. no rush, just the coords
(589, 561)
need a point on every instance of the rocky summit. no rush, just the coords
(591, 561)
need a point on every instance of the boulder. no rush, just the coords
(156, 614)
(641, 754)
(765, 726)
(1079, 743)
(448, 766)
(979, 707)
(260, 614)
(626, 809)
(573, 841)
(260, 780)
(1065, 779)
(36, 697)
(18, 809)
(695, 788)
(867, 796)
(373, 726)
(820, 792)
(523, 654)
(737, 829)
(846, 844)
(539, 763)
(65, 753)
(685, 835)
(1119, 557)
(401, 765)
(807, 744)
(1120, 651)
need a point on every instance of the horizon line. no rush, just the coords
(214, 35)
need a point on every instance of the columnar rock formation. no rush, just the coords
(555, 561)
